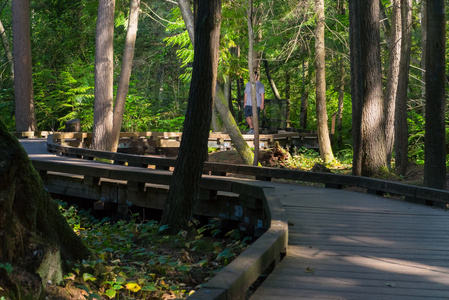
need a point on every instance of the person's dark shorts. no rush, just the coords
(249, 111)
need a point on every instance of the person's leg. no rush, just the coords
(248, 115)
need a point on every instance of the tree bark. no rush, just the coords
(341, 95)
(30, 221)
(423, 45)
(125, 75)
(435, 136)
(8, 52)
(320, 62)
(103, 107)
(23, 77)
(187, 16)
(232, 129)
(304, 95)
(401, 126)
(185, 183)
(392, 77)
(288, 123)
(251, 68)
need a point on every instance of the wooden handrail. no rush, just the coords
(418, 194)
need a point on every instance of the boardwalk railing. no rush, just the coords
(417, 194)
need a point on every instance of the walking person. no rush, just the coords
(260, 96)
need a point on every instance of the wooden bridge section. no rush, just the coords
(345, 245)
(341, 244)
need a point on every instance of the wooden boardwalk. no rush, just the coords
(346, 245)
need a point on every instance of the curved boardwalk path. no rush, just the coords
(347, 245)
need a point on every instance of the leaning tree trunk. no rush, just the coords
(232, 129)
(185, 183)
(435, 136)
(123, 85)
(321, 111)
(30, 221)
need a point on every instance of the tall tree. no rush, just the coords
(366, 82)
(304, 95)
(185, 183)
(401, 126)
(320, 73)
(104, 77)
(435, 135)
(23, 78)
(123, 85)
(394, 37)
(252, 68)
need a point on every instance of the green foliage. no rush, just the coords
(135, 259)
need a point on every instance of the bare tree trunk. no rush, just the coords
(373, 120)
(251, 69)
(239, 142)
(103, 108)
(435, 135)
(368, 122)
(187, 16)
(287, 97)
(320, 62)
(215, 122)
(185, 184)
(392, 77)
(125, 74)
(401, 126)
(341, 95)
(423, 45)
(304, 95)
(8, 52)
(271, 81)
(23, 77)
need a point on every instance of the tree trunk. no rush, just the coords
(103, 107)
(185, 183)
(304, 95)
(392, 77)
(215, 121)
(232, 129)
(8, 52)
(373, 121)
(30, 221)
(320, 62)
(252, 79)
(187, 16)
(123, 85)
(423, 45)
(271, 81)
(435, 136)
(401, 126)
(287, 97)
(23, 77)
(341, 95)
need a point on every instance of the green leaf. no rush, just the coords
(149, 288)
(7, 267)
(110, 293)
(163, 227)
(87, 276)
